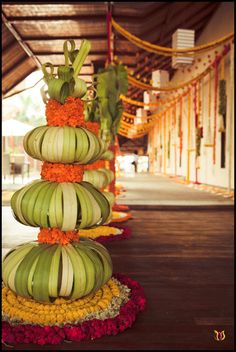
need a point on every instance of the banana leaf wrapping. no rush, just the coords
(107, 108)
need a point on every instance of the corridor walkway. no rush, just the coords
(145, 189)
(142, 189)
(181, 252)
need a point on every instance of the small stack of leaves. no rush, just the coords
(67, 83)
(107, 108)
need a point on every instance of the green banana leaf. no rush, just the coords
(107, 108)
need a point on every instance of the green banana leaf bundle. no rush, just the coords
(107, 108)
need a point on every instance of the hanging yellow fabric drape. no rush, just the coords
(134, 82)
(169, 51)
(139, 103)
(139, 84)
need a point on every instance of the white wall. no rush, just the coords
(219, 25)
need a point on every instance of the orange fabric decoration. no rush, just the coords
(96, 165)
(71, 113)
(55, 235)
(57, 172)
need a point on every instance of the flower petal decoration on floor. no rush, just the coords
(107, 314)
(118, 216)
(62, 287)
(120, 207)
(108, 233)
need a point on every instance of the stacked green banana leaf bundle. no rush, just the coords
(45, 271)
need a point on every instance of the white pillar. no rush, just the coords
(230, 115)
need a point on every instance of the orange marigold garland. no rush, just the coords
(47, 235)
(57, 172)
(71, 113)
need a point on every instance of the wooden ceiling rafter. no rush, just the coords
(98, 52)
(190, 23)
(16, 65)
(198, 26)
(138, 18)
(164, 62)
(64, 37)
(19, 39)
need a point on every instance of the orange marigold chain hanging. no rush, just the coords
(144, 86)
(139, 103)
(196, 125)
(209, 138)
(171, 51)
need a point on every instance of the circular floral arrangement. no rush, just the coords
(118, 216)
(108, 233)
(116, 310)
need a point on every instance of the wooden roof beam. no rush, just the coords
(5, 91)
(75, 17)
(198, 30)
(180, 17)
(98, 52)
(20, 41)
(75, 37)
(17, 64)
(192, 21)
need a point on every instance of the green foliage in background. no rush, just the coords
(107, 108)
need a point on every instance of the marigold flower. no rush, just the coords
(54, 235)
(60, 311)
(71, 113)
(57, 172)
